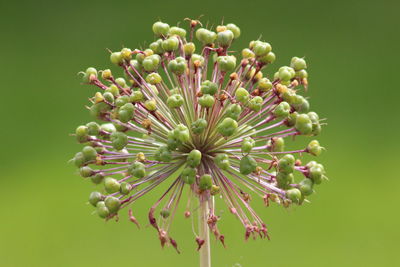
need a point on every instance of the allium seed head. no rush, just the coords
(196, 117)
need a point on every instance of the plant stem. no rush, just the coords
(204, 231)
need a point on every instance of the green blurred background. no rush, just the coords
(352, 51)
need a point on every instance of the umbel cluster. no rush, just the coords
(188, 113)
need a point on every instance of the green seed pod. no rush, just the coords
(177, 66)
(227, 127)
(208, 87)
(126, 112)
(137, 169)
(215, 190)
(286, 73)
(173, 142)
(94, 198)
(177, 31)
(122, 100)
(234, 29)
(247, 53)
(284, 179)
(222, 161)
(175, 101)
(98, 110)
(194, 158)
(181, 133)
(286, 164)
(157, 47)
(291, 120)
(189, 48)
(82, 134)
(79, 159)
(97, 178)
(282, 110)
(306, 187)
(234, 111)
(206, 101)
(151, 63)
(116, 58)
(113, 204)
(255, 103)
(125, 188)
(160, 28)
(205, 36)
(300, 104)
(301, 74)
(268, 58)
(111, 185)
(108, 127)
(153, 78)
(90, 73)
(102, 210)
(276, 144)
(163, 154)
(198, 59)
(109, 97)
(225, 38)
(198, 126)
(298, 63)
(205, 182)
(119, 140)
(113, 89)
(303, 124)
(242, 95)
(121, 82)
(150, 104)
(86, 171)
(170, 44)
(126, 53)
(247, 165)
(226, 63)
(314, 148)
(294, 195)
(136, 96)
(247, 145)
(188, 175)
(261, 48)
(316, 173)
(89, 153)
(164, 213)
(264, 84)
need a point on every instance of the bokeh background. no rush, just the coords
(352, 48)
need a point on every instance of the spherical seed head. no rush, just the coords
(198, 121)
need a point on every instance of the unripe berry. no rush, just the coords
(198, 126)
(188, 175)
(222, 161)
(175, 101)
(247, 145)
(170, 44)
(153, 78)
(194, 158)
(294, 195)
(111, 185)
(113, 204)
(205, 36)
(119, 140)
(247, 165)
(94, 198)
(303, 124)
(242, 95)
(208, 87)
(227, 127)
(160, 28)
(137, 169)
(102, 210)
(177, 31)
(163, 154)
(225, 38)
(205, 182)
(235, 30)
(206, 101)
(178, 66)
(256, 103)
(282, 110)
(226, 63)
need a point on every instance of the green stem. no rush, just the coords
(204, 231)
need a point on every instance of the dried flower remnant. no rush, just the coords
(199, 119)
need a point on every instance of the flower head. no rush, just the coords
(196, 117)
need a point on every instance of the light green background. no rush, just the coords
(352, 48)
